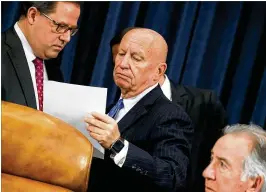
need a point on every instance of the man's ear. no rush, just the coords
(161, 68)
(31, 15)
(255, 184)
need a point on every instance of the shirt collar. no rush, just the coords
(25, 44)
(166, 88)
(130, 102)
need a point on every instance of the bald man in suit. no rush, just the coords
(147, 141)
(204, 108)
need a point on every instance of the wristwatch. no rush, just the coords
(117, 146)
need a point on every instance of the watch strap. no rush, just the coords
(117, 146)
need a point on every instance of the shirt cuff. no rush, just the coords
(120, 157)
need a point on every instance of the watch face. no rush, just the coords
(118, 146)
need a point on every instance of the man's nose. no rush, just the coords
(209, 172)
(66, 36)
(125, 61)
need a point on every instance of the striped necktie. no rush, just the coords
(114, 111)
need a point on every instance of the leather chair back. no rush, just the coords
(41, 152)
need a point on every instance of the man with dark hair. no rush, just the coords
(42, 31)
(146, 137)
(205, 110)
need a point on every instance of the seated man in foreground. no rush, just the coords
(146, 137)
(238, 161)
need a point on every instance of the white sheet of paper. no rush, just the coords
(71, 103)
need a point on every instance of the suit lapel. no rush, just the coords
(19, 62)
(133, 115)
(140, 109)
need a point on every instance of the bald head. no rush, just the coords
(153, 40)
(140, 62)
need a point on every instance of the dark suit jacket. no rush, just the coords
(159, 133)
(17, 86)
(208, 117)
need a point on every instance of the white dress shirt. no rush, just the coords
(166, 88)
(30, 57)
(120, 158)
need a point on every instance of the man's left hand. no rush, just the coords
(102, 128)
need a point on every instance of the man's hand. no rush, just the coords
(102, 128)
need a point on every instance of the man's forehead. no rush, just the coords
(233, 146)
(138, 36)
(137, 41)
(65, 6)
(66, 13)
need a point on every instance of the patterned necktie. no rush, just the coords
(114, 111)
(39, 80)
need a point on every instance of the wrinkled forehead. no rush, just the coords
(137, 41)
(233, 146)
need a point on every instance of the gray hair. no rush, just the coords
(255, 164)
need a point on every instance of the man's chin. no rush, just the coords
(122, 84)
(51, 55)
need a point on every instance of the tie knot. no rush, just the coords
(38, 62)
(114, 111)
(120, 104)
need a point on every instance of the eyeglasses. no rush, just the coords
(60, 28)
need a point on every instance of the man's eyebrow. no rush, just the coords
(133, 52)
(221, 159)
(71, 26)
(137, 53)
(224, 159)
(121, 49)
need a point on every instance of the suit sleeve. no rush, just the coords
(166, 165)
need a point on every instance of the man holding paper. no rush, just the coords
(145, 136)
